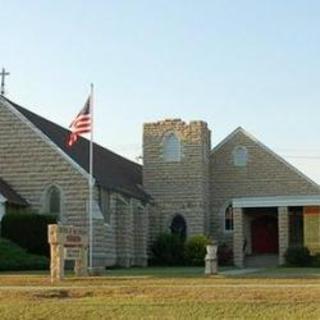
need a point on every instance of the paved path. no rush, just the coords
(237, 272)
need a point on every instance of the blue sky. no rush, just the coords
(235, 63)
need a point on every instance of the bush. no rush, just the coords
(298, 257)
(316, 260)
(195, 251)
(13, 258)
(168, 249)
(225, 255)
(28, 230)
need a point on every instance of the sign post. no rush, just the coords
(67, 243)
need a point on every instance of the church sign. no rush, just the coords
(311, 222)
(67, 243)
(72, 253)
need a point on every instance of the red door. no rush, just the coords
(264, 235)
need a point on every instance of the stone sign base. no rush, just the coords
(67, 243)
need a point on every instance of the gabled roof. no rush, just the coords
(110, 170)
(265, 148)
(10, 195)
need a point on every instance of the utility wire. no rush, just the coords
(302, 157)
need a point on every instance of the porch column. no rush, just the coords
(238, 237)
(283, 224)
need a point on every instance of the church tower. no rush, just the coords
(176, 175)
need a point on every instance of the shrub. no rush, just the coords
(195, 251)
(168, 249)
(298, 257)
(28, 230)
(225, 255)
(316, 260)
(13, 257)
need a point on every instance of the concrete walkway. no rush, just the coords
(237, 272)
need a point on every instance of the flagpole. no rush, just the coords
(91, 182)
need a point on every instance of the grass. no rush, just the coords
(163, 293)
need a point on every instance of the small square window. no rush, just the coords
(240, 156)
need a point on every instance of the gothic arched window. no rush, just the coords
(179, 226)
(228, 219)
(172, 148)
(54, 201)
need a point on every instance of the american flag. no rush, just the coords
(81, 124)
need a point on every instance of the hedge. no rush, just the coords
(28, 230)
(196, 250)
(13, 257)
(298, 257)
(168, 250)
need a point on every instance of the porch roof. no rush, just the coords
(276, 201)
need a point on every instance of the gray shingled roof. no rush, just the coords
(110, 170)
(12, 196)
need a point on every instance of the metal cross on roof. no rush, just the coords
(3, 74)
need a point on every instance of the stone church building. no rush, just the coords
(239, 193)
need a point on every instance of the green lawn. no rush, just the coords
(163, 293)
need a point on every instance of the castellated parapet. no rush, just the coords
(178, 187)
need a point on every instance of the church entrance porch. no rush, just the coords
(261, 237)
(263, 233)
(264, 228)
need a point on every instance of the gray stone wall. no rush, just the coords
(30, 164)
(130, 220)
(141, 231)
(179, 187)
(264, 175)
(124, 232)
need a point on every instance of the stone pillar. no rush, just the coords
(211, 263)
(283, 226)
(56, 262)
(238, 237)
(67, 243)
(81, 264)
(124, 232)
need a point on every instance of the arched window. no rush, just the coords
(240, 156)
(178, 226)
(54, 201)
(172, 148)
(104, 204)
(228, 219)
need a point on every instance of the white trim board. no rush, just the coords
(263, 202)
